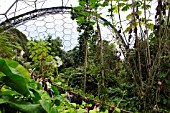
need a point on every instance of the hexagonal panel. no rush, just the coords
(59, 22)
(42, 35)
(58, 17)
(22, 27)
(67, 43)
(51, 31)
(49, 25)
(66, 25)
(67, 31)
(49, 19)
(58, 25)
(31, 28)
(40, 23)
(59, 28)
(67, 37)
(59, 34)
(41, 29)
(68, 20)
(33, 34)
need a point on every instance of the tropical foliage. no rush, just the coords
(11, 42)
(131, 73)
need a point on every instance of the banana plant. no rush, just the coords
(18, 93)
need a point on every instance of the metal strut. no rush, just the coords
(20, 19)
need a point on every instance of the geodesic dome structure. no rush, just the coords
(40, 18)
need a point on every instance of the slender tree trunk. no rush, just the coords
(101, 58)
(85, 65)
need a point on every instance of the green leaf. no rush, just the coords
(23, 72)
(55, 90)
(85, 13)
(128, 16)
(139, 12)
(20, 105)
(57, 102)
(90, 105)
(58, 83)
(80, 110)
(37, 95)
(93, 1)
(2, 100)
(126, 7)
(54, 109)
(1, 74)
(147, 6)
(78, 8)
(113, 9)
(46, 105)
(150, 25)
(121, 4)
(73, 104)
(117, 110)
(93, 111)
(9, 92)
(15, 77)
(106, 23)
(127, 29)
(28, 108)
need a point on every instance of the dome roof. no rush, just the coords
(40, 18)
(12, 8)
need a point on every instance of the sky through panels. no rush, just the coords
(12, 8)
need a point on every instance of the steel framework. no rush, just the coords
(36, 12)
(21, 19)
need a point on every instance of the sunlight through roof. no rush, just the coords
(12, 8)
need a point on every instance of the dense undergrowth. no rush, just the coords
(139, 82)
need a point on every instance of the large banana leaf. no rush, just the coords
(21, 105)
(14, 76)
(22, 94)
(46, 105)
